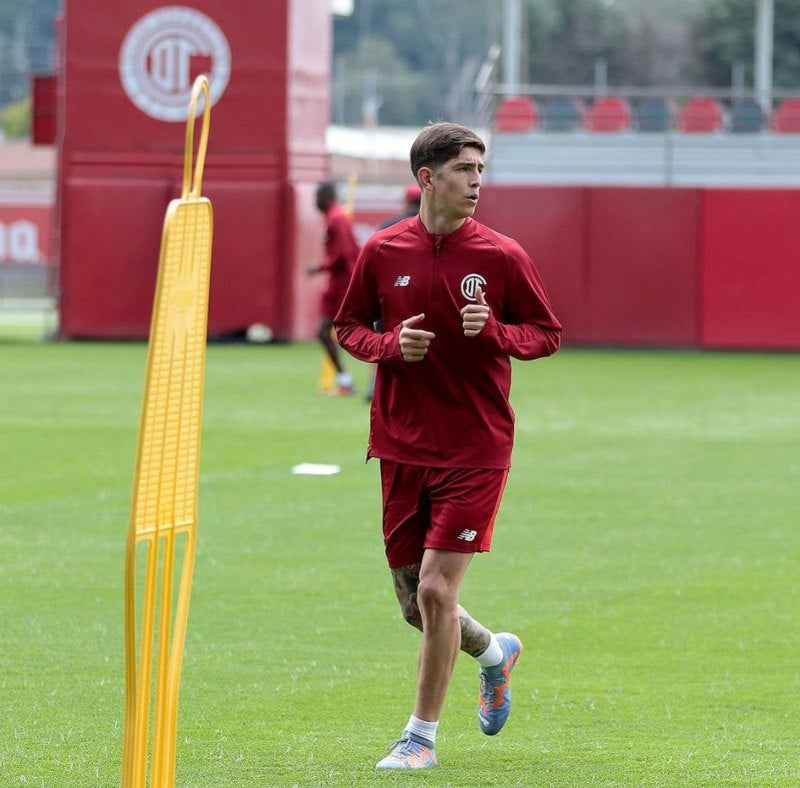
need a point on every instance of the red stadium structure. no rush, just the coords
(647, 234)
(124, 75)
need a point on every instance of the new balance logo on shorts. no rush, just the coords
(402, 281)
(467, 535)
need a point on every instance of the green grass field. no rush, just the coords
(647, 552)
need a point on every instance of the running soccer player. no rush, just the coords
(456, 302)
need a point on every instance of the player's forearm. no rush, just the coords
(525, 341)
(361, 341)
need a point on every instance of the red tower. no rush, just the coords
(124, 76)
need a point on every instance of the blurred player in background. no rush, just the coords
(456, 301)
(341, 251)
(411, 200)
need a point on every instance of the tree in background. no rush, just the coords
(658, 50)
(410, 62)
(405, 63)
(723, 35)
(416, 60)
(27, 40)
(15, 119)
(374, 83)
(566, 38)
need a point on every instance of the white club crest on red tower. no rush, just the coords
(164, 52)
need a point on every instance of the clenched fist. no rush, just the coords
(414, 342)
(474, 316)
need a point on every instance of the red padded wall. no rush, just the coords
(247, 278)
(619, 263)
(642, 250)
(549, 223)
(109, 269)
(751, 269)
(661, 267)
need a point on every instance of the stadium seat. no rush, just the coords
(516, 114)
(701, 115)
(563, 114)
(786, 118)
(655, 114)
(609, 114)
(747, 116)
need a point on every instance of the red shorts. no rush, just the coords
(332, 299)
(439, 508)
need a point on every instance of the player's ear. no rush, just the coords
(424, 176)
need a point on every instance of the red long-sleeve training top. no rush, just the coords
(450, 409)
(341, 252)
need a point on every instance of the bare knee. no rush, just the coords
(433, 594)
(441, 573)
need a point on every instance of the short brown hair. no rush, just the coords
(440, 142)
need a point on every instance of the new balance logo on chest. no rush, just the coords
(402, 281)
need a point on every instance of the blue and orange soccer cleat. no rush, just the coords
(494, 700)
(410, 752)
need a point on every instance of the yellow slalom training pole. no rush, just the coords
(165, 486)
(327, 376)
(349, 206)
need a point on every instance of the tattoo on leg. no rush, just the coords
(406, 580)
(474, 636)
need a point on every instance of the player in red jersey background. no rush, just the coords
(341, 251)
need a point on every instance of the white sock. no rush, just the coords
(423, 728)
(493, 654)
(344, 379)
